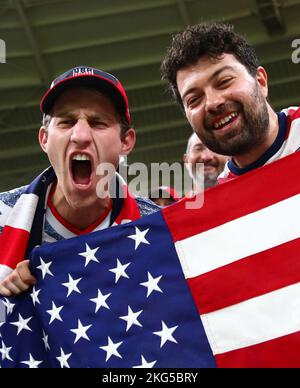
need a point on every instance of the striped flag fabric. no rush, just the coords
(240, 256)
(23, 228)
(215, 286)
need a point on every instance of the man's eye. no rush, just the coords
(66, 122)
(98, 124)
(225, 81)
(193, 101)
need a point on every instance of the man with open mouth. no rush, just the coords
(86, 125)
(214, 75)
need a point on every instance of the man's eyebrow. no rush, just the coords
(217, 72)
(214, 75)
(63, 113)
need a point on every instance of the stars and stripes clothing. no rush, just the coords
(28, 218)
(115, 298)
(217, 285)
(286, 142)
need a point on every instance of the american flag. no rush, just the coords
(112, 299)
(182, 288)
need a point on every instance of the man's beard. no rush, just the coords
(254, 121)
(203, 180)
(210, 180)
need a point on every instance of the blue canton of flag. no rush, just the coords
(111, 299)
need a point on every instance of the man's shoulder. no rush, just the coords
(8, 200)
(293, 112)
(146, 206)
(10, 197)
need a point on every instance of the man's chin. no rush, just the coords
(79, 197)
(210, 180)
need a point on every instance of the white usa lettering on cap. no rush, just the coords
(82, 71)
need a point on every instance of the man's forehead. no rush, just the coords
(224, 59)
(204, 70)
(75, 99)
(195, 141)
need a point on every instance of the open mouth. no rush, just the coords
(81, 168)
(225, 121)
(209, 167)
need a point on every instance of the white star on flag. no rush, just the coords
(63, 359)
(152, 284)
(54, 313)
(166, 334)
(5, 352)
(32, 363)
(81, 331)
(100, 301)
(119, 271)
(131, 318)
(9, 306)
(139, 237)
(72, 285)
(45, 340)
(145, 364)
(44, 267)
(22, 324)
(35, 296)
(111, 349)
(89, 254)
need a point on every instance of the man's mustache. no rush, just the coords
(210, 118)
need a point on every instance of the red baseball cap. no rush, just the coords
(88, 76)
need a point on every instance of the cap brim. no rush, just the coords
(96, 82)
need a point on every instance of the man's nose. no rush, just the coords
(81, 133)
(214, 100)
(206, 155)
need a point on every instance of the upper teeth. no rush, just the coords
(225, 120)
(80, 157)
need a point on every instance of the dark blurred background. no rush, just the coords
(128, 38)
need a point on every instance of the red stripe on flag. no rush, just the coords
(247, 278)
(236, 198)
(293, 114)
(281, 352)
(13, 243)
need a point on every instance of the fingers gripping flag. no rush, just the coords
(182, 288)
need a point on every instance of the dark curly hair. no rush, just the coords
(211, 40)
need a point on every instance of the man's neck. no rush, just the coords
(78, 216)
(251, 156)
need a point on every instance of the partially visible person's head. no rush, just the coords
(164, 196)
(86, 123)
(215, 76)
(197, 152)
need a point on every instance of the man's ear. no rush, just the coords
(262, 79)
(128, 141)
(43, 138)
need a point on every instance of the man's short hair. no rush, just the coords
(189, 142)
(205, 39)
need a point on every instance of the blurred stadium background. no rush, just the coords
(128, 38)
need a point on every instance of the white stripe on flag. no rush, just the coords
(242, 237)
(4, 271)
(254, 321)
(23, 212)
